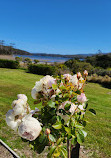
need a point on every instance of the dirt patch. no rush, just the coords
(9, 57)
(4, 153)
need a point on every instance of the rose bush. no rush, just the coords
(61, 118)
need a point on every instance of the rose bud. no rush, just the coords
(79, 75)
(47, 131)
(85, 73)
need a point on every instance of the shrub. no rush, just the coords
(42, 69)
(104, 80)
(61, 69)
(4, 63)
(27, 61)
(101, 72)
(79, 66)
(18, 58)
(36, 61)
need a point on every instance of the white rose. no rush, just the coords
(30, 128)
(74, 80)
(81, 107)
(67, 77)
(34, 93)
(11, 121)
(72, 108)
(47, 81)
(80, 83)
(19, 107)
(22, 96)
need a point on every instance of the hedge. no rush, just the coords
(5, 63)
(42, 69)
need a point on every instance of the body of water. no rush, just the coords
(44, 58)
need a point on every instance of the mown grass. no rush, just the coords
(98, 140)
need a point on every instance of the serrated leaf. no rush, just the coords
(51, 137)
(51, 104)
(92, 111)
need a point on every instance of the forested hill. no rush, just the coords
(9, 50)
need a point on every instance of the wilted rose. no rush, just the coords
(30, 128)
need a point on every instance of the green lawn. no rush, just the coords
(98, 141)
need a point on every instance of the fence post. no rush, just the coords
(75, 151)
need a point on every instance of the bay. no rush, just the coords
(41, 58)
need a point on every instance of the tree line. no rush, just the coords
(9, 49)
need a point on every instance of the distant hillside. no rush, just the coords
(79, 56)
(9, 50)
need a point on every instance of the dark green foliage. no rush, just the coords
(27, 61)
(100, 60)
(4, 63)
(42, 69)
(18, 58)
(101, 72)
(36, 61)
(78, 66)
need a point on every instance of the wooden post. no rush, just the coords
(75, 151)
(68, 149)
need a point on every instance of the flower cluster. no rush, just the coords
(63, 106)
(20, 118)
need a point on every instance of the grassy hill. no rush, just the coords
(98, 141)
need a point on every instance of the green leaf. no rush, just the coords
(78, 92)
(86, 105)
(51, 151)
(74, 141)
(52, 138)
(57, 125)
(67, 107)
(51, 104)
(80, 138)
(54, 86)
(42, 138)
(62, 87)
(31, 146)
(78, 126)
(92, 111)
(84, 132)
(68, 130)
(64, 152)
(59, 141)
